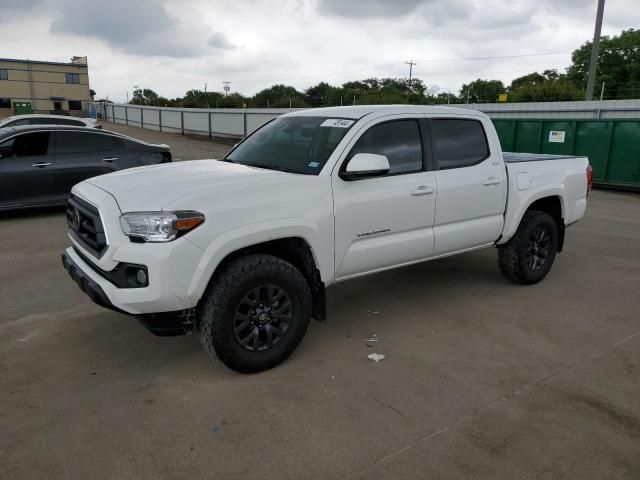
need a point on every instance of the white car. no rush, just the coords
(241, 250)
(42, 119)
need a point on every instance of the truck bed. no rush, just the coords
(513, 157)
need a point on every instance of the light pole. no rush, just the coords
(411, 63)
(595, 47)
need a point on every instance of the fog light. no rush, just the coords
(141, 276)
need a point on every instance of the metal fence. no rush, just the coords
(195, 121)
(239, 122)
(605, 109)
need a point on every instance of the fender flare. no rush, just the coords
(513, 219)
(246, 236)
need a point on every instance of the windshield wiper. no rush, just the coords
(271, 167)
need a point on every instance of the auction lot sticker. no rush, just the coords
(337, 122)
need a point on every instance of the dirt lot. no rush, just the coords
(482, 379)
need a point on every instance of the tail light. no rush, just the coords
(589, 178)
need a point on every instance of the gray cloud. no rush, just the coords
(16, 8)
(140, 27)
(368, 8)
(219, 40)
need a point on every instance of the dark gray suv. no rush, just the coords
(39, 164)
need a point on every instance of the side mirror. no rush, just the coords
(365, 165)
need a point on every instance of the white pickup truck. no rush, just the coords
(241, 250)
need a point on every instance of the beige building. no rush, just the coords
(29, 86)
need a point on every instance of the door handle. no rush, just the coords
(491, 181)
(41, 164)
(422, 190)
(109, 159)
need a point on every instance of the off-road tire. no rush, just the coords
(512, 256)
(218, 307)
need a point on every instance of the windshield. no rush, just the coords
(292, 144)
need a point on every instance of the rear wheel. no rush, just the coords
(255, 314)
(529, 255)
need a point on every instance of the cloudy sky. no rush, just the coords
(174, 45)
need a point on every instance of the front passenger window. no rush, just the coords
(398, 140)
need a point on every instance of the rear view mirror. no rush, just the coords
(364, 165)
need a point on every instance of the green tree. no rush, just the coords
(199, 99)
(320, 95)
(144, 96)
(278, 96)
(548, 86)
(482, 91)
(618, 65)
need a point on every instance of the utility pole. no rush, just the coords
(411, 63)
(227, 87)
(595, 47)
(205, 94)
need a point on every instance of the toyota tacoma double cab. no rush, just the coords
(241, 250)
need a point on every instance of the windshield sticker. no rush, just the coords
(313, 164)
(337, 123)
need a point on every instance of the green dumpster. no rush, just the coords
(22, 108)
(613, 146)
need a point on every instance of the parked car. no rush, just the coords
(241, 250)
(40, 119)
(40, 164)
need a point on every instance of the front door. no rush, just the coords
(385, 221)
(27, 170)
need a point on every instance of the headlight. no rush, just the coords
(159, 226)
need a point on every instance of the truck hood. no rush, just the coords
(152, 188)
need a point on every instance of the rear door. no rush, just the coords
(27, 169)
(82, 154)
(471, 185)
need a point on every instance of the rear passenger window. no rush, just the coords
(26, 145)
(458, 143)
(81, 142)
(19, 123)
(398, 140)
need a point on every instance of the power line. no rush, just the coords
(426, 60)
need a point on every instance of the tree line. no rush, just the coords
(618, 71)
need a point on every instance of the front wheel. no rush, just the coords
(529, 255)
(255, 314)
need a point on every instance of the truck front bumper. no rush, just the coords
(162, 324)
(86, 284)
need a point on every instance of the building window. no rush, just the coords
(5, 102)
(3, 74)
(75, 105)
(72, 77)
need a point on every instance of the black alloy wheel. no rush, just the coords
(538, 248)
(262, 317)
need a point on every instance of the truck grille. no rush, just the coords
(85, 226)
